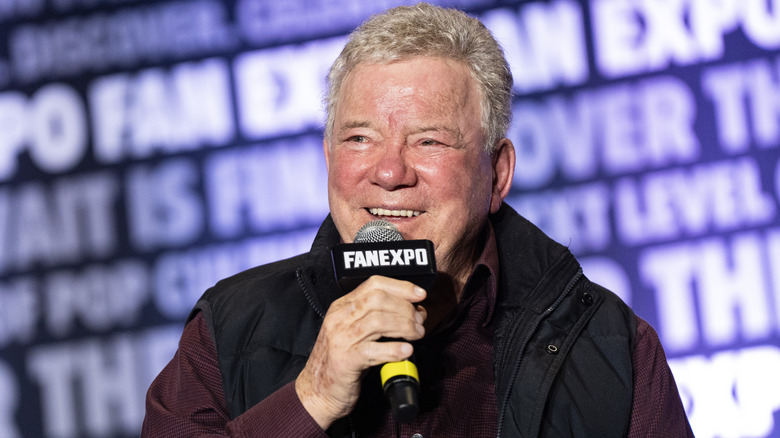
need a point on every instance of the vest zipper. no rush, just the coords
(524, 344)
(299, 274)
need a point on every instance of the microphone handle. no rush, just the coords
(401, 385)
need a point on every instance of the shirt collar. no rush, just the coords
(483, 279)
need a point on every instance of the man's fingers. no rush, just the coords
(379, 307)
(376, 325)
(400, 288)
(380, 352)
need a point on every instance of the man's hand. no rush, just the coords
(347, 346)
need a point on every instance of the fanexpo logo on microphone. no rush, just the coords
(411, 260)
(385, 257)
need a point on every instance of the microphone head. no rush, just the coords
(378, 230)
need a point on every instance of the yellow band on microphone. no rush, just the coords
(402, 368)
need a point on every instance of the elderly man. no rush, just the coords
(513, 340)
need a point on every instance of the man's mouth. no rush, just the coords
(393, 213)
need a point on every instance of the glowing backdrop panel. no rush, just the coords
(150, 148)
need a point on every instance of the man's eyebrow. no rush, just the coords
(354, 124)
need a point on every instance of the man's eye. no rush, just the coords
(429, 142)
(357, 139)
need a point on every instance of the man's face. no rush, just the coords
(408, 147)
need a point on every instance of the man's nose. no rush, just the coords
(393, 169)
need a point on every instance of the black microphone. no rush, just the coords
(379, 249)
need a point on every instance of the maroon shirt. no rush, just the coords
(187, 399)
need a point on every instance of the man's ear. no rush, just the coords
(503, 160)
(326, 151)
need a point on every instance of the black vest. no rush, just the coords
(562, 344)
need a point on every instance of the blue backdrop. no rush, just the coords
(150, 148)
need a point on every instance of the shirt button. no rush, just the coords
(417, 435)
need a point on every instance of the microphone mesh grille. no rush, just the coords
(378, 230)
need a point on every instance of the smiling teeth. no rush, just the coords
(402, 213)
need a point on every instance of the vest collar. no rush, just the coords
(533, 268)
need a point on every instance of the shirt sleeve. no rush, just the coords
(187, 400)
(657, 410)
